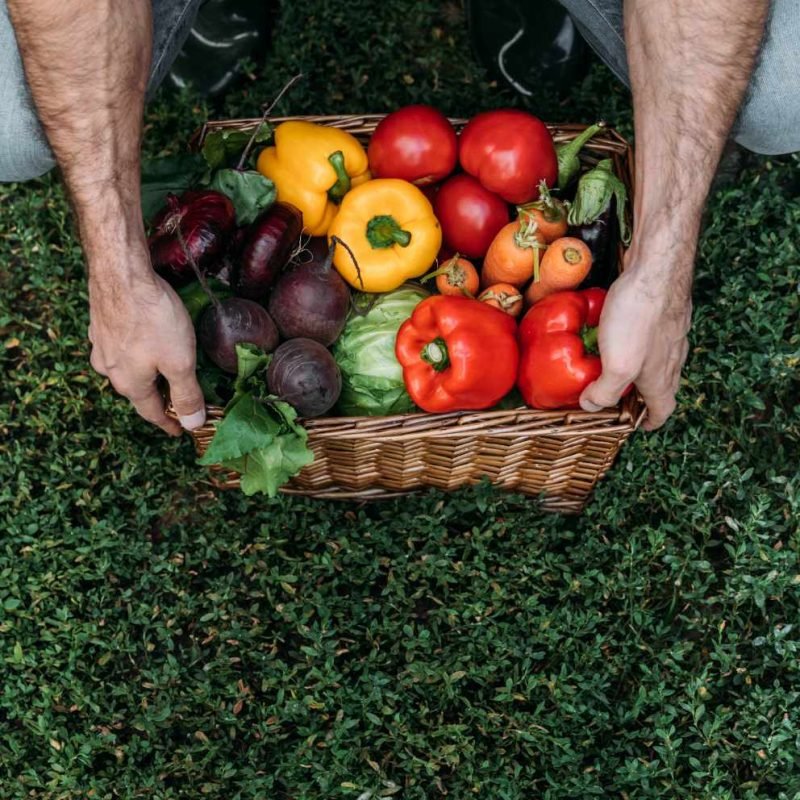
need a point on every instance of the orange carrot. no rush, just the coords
(513, 255)
(503, 296)
(548, 212)
(456, 276)
(565, 264)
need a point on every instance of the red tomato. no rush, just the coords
(469, 214)
(415, 143)
(509, 152)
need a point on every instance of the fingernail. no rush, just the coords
(192, 421)
(588, 405)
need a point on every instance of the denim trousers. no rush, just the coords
(768, 122)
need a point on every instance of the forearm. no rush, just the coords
(690, 64)
(87, 65)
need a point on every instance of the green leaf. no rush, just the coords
(250, 192)
(195, 299)
(160, 176)
(265, 470)
(246, 426)
(17, 655)
(224, 148)
(250, 360)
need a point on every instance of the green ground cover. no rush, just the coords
(160, 641)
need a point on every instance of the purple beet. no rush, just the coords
(234, 321)
(310, 299)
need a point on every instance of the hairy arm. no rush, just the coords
(690, 64)
(87, 64)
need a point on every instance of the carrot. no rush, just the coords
(456, 276)
(548, 212)
(503, 296)
(565, 264)
(513, 255)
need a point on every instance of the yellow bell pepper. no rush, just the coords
(313, 167)
(390, 227)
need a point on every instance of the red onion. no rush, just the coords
(195, 226)
(267, 247)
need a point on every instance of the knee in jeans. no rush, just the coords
(769, 128)
(24, 153)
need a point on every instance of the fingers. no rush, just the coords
(187, 398)
(659, 410)
(605, 391)
(150, 406)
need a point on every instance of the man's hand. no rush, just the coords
(690, 64)
(642, 340)
(139, 330)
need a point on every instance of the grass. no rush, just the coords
(161, 641)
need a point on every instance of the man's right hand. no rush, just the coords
(139, 329)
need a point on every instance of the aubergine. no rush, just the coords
(602, 238)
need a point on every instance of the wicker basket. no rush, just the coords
(559, 455)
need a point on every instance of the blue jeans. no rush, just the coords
(769, 119)
(24, 152)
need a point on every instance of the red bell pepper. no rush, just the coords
(510, 152)
(457, 354)
(558, 341)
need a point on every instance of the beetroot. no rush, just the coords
(303, 373)
(193, 227)
(311, 299)
(266, 248)
(232, 321)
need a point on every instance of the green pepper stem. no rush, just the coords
(589, 336)
(435, 353)
(342, 185)
(383, 231)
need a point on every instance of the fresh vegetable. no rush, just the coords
(227, 323)
(259, 436)
(549, 214)
(194, 227)
(514, 254)
(313, 167)
(510, 152)
(249, 191)
(568, 155)
(389, 226)
(565, 264)
(503, 296)
(310, 299)
(196, 297)
(457, 354)
(416, 143)
(600, 237)
(596, 189)
(372, 378)
(469, 214)
(266, 248)
(559, 356)
(456, 276)
(304, 374)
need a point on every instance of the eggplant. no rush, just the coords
(601, 237)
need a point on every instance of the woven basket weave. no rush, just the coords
(559, 455)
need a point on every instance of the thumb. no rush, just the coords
(187, 399)
(603, 393)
